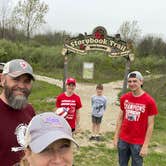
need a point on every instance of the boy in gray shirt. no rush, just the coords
(98, 103)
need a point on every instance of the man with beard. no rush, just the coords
(15, 112)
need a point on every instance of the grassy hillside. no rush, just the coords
(47, 60)
(43, 96)
(157, 88)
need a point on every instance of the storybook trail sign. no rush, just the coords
(113, 46)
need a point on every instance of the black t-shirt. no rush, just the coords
(12, 121)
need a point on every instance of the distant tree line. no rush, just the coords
(149, 45)
(48, 38)
(146, 46)
(17, 39)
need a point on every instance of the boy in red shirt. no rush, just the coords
(135, 122)
(72, 102)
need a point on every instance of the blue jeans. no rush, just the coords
(126, 150)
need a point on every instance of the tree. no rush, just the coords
(51, 38)
(159, 47)
(145, 46)
(151, 45)
(4, 16)
(130, 31)
(29, 15)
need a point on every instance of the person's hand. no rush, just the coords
(77, 129)
(115, 142)
(143, 151)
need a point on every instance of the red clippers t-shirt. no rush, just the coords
(135, 120)
(12, 127)
(72, 103)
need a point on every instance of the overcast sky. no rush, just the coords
(79, 16)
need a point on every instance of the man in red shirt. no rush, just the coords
(71, 101)
(135, 122)
(15, 112)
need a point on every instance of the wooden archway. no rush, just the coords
(113, 46)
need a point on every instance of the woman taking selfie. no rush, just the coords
(48, 142)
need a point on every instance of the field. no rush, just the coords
(102, 153)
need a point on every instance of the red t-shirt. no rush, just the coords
(72, 103)
(12, 121)
(135, 121)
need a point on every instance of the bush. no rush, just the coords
(8, 50)
(49, 61)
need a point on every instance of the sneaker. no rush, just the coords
(92, 138)
(98, 138)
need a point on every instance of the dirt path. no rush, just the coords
(111, 90)
(85, 91)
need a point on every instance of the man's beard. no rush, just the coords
(19, 101)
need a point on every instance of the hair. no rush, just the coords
(99, 86)
(24, 162)
(132, 75)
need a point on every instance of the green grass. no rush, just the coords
(99, 154)
(157, 88)
(155, 159)
(43, 96)
(104, 156)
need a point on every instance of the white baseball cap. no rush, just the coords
(44, 129)
(135, 74)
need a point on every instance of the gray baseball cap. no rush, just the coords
(135, 74)
(18, 67)
(2, 66)
(44, 129)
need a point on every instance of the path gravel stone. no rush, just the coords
(85, 91)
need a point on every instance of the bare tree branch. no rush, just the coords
(29, 15)
(130, 31)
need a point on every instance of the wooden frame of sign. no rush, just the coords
(113, 46)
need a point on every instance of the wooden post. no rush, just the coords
(65, 72)
(127, 70)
